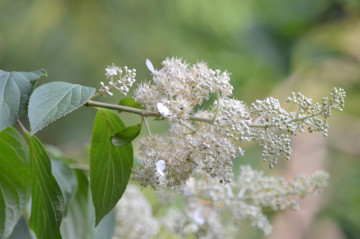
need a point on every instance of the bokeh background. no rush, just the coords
(272, 47)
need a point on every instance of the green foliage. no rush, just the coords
(15, 90)
(105, 229)
(21, 230)
(14, 179)
(47, 206)
(78, 221)
(267, 41)
(51, 101)
(130, 102)
(75, 223)
(65, 177)
(54, 185)
(125, 136)
(110, 166)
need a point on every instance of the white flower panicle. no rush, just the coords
(213, 207)
(154, 153)
(179, 87)
(199, 147)
(134, 216)
(194, 218)
(246, 198)
(275, 192)
(233, 119)
(192, 149)
(119, 78)
(208, 141)
(196, 156)
(211, 146)
(319, 112)
(252, 192)
(273, 125)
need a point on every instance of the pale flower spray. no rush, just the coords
(196, 157)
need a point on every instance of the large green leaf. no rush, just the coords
(65, 177)
(110, 166)
(80, 217)
(51, 101)
(105, 229)
(21, 230)
(15, 90)
(75, 224)
(14, 179)
(47, 206)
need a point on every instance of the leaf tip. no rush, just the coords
(41, 73)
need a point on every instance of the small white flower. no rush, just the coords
(150, 66)
(187, 193)
(241, 151)
(160, 167)
(198, 218)
(163, 109)
(111, 71)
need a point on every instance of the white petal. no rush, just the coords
(163, 109)
(160, 164)
(198, 218)
(241, 151)
(187, 193)
(150, 66)
(160, 167)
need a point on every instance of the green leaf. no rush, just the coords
(21, 230)
(65, 177)
(75, 224)
(110, 166)
(125, 136)
(14, 179)
(105, 229)
(51, 101)
(47, 206)
(130, 102)
(15, 90)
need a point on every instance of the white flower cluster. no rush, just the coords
(196, 217)
(120, 79)
(314, 116)
(210, 209)
(252, 192)
(233, 119)
(273, 125)
(194, 147)
(163, 163)
(202, 144)
(178, 87)
(208, 141)
(134, 216)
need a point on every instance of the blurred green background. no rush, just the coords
(269, 46)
